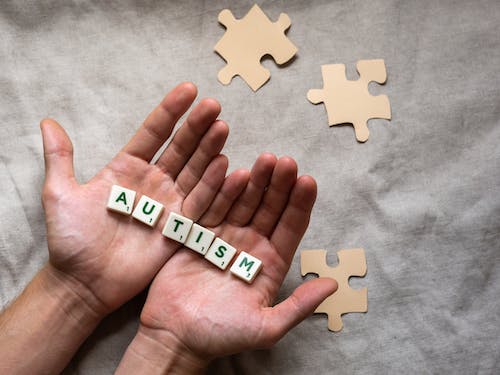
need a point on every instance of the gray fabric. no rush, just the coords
(421, 196)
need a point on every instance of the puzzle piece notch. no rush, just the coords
(351, 262)
(349, 101)
(247, 40)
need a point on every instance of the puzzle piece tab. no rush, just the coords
(349, 101)
(351, 263)
(247, 40)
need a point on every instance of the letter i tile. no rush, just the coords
(199, 239)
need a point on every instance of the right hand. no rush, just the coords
(107, 258)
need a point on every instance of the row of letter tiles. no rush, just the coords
(218, 252)
(185, 231)
(121, 200)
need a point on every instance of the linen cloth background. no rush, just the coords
(421, 196)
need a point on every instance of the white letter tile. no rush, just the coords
(121, 200)
(177, 227)
(220, 253)
(246, 267)
(148, 211)
(199, 239)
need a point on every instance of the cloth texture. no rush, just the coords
(421, 196)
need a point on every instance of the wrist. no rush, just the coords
(155, 351)
(49, 320)
(75, 300)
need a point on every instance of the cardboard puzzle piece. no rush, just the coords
(351, 263)
(247, 40)
(349, 101)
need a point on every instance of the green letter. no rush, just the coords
(148, 212)
(122, 197)
(220, 251)
(247, 264)
(177, 223)
(199, 237)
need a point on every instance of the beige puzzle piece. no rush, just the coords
(352, 262)
(247, 40)
(349, 101)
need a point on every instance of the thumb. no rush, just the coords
(302, 303)
(58, 156)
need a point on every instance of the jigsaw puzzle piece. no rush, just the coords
(247, 40)
(345, 299)
(349, 101)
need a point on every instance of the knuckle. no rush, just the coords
(50, 194)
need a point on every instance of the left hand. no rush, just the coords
(200, 312)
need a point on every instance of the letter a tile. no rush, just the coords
(121, 200)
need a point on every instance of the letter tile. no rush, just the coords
(177, 227)
(246, 267)
(220, 253)
(148, 211)
(121, 200)
(199, 239)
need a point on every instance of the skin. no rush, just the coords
(107, 254)
(98, 259)
(195, 312)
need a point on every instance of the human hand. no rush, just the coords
(195, 312)
(106, 257)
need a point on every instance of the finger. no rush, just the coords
(260, 175)
(159, 124)
(210, 146)
(203, 194)
(295, 218)
(276, 196)
(187, 138)
(58, 156)
(233, 186)
(304, 300)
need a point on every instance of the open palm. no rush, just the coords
(210, 312)
(115, 256)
